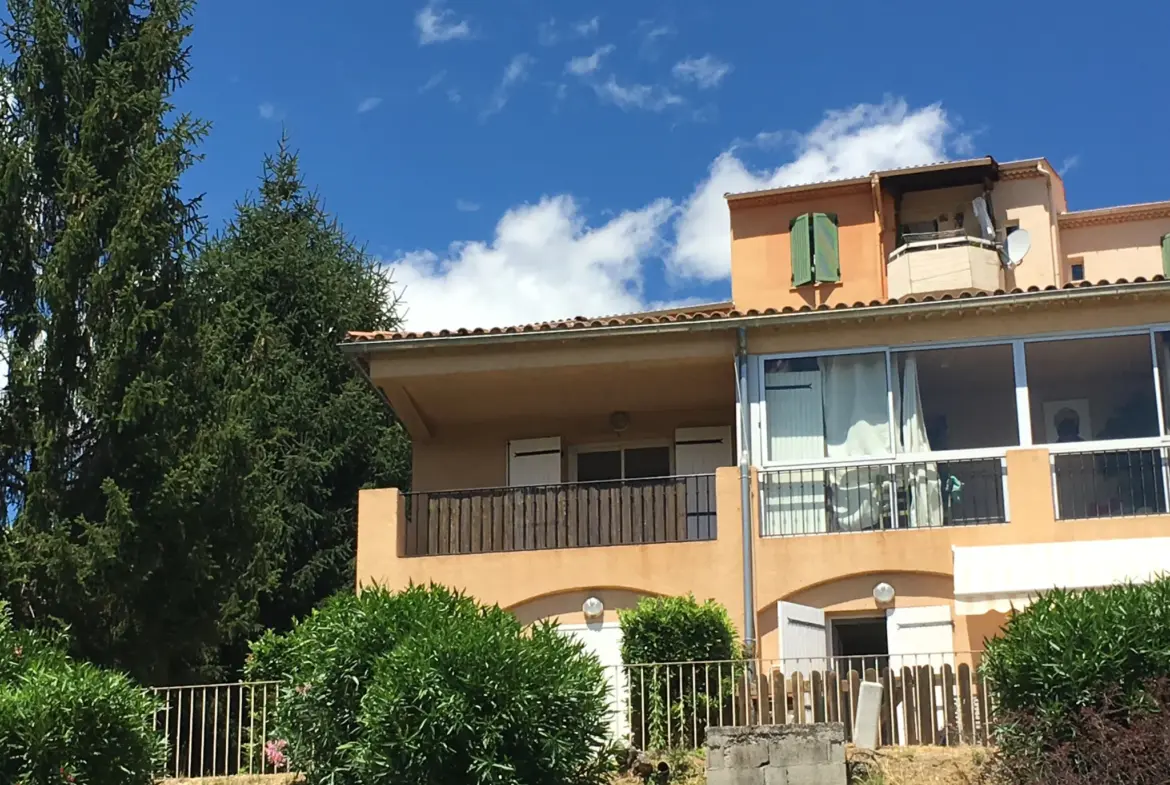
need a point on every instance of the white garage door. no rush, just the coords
(604, 641)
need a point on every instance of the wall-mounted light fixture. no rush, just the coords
(593, 608)
(883, 593)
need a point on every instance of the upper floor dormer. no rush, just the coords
(932, 230)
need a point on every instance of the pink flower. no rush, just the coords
(303, 689)
(274, 751)
(19, 650)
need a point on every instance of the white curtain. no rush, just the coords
(857, 424)
(921, 480)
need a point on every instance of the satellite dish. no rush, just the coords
(1016, 246)
(979, 205)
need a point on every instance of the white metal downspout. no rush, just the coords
(745, 494)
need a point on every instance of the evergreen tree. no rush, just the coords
(129, 517)
(280, 288)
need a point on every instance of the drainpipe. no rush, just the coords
(745, 495)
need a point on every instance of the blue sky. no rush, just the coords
(521, 160)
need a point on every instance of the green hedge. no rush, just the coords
(428, 686)
(1068, 650)
(63, 721)
(670, 705)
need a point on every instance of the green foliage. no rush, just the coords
(279, 289)
(677, 629)
(1068, 650)
(67, 721)
(674, 701)
(118, 495)
(427, 686)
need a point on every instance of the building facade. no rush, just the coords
(936, 391)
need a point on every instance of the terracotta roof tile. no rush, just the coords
(719, 311)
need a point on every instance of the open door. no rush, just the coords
(699, 452)
(604, 641)
(804, 641)
(922, 641)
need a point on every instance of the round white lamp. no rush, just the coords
(883, 593)
(592, 608)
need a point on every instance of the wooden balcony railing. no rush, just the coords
(566, 515)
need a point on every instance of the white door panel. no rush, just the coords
(794, 500)
(804, 642)
(700, 451)
(534, 461)
(604, 641)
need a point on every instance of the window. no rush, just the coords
(815, 251)
(959, 398)
(826, 407)
(1162, 358)
(1076, 269)
(1091, 389)
(625, 463)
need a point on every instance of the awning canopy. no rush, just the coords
(1003, 577)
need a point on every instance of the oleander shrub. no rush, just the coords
(64, 721)
(681, 668)
(1079, 665)
(428, 686)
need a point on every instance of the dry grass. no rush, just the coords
(920, 765)
(887, 766)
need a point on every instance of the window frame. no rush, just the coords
(621, 447)
(758, 407)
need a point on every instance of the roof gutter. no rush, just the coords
(718, 324)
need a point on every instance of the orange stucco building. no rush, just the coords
(935, 392)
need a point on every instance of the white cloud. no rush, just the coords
(706, 71)
(466, 206)
(454, 96)
(846, 143)
(587, 64)
(651, 36)
(368, 104)
(432, 83)
(1068, 164)
(636, 96)
(515, 72)
(547, 33)
(588, 27)
(436, 24)
(547, 261)
(266, 110)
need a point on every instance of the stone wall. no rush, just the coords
(777, 755)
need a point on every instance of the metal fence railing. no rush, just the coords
(1109, 483)
(930, 699)
(876, 496)
(938, 699)
(564, 515)
(218, 730)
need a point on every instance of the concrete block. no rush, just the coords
(836, 752)
(715, 756)
(775, 775)
(822, 774)
(799, 751)
(736, 777)
(746, 756)
(867, 726)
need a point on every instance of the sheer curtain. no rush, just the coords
(857, 425)
(921, 480)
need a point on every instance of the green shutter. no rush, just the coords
(801, 252)
(1166, 255)
(828, 263)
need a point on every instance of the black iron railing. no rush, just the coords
(566, 515)
(879, 496)
(1109, 483)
